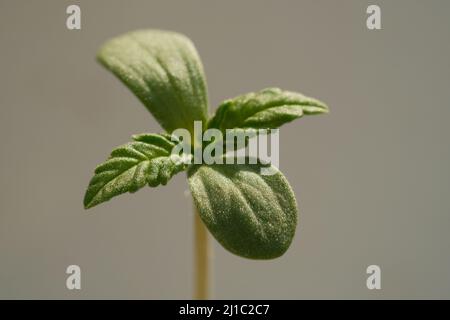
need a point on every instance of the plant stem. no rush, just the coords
(202, 257)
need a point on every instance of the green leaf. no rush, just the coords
(250, 214)
(164, 71)
(269, 108)
(147, 160)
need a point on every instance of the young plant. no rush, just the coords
(250, 214)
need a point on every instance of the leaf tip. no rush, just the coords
(325, 108)
(87, 204)
(318, 107)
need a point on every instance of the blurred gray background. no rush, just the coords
(372, 178)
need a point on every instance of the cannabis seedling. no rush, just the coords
(250, 214)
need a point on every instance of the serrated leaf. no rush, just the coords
(250, 214)
(164, 71)
(269, 108)
(147, 160)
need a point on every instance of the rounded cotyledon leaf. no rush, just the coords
(250, 214)
(164, 71)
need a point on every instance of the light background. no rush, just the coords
(372, 178)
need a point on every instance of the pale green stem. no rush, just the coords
(202, 258)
